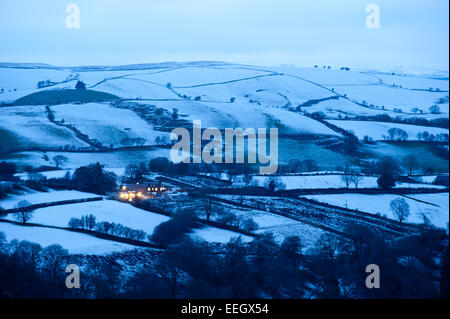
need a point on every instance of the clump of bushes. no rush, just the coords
(173, 229)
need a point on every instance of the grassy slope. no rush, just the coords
(64, 96)
(423, 152)
(8, 140)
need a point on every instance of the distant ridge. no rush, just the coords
(142, 66)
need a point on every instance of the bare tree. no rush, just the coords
(400, 208)
(347, 176)
(25, 213)
(89, 221)
(356, 179)
(247, 177)
(274, 184)
(396, 134)
(411, 163)
(60, 160)
(208, 209)
(52, 260)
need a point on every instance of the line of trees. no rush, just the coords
(88, 222)
(427, 137)
(438, 122)
(396, 134)
(411, 267)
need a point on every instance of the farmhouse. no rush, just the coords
(147, 190)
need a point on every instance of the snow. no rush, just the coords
(132, 89)
(429, 179)
(104, 211)
(282, 227)
(413, 82)
(245, 115)
(43, 197)
(217, 235)
(189, 76)
(390, 97)
(270, 86)
(31, 127)
(329, 181)
(376, 130)
(25, 81)
(329, 77)
(267, 90)
(105, 123)
(341, 107)
(75, 243)
(47, 174)
(379, 204)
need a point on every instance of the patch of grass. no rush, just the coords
(303, 150)
(53, 97)
(424, 153)
(8, 140)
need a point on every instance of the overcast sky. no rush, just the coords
(264, 32)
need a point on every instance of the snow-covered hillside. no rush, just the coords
(106, 124)
(219, 82)
(377, 130)
(29, 126)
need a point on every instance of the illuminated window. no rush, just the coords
(124, 187)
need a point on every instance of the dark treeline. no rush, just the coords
(438, 122)
(91, 178)
(412, 267)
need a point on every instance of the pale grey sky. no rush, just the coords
(265, 32)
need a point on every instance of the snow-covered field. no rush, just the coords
(434, 206)
(269, 86)
(268, 91)
(376, 130)
(184, 76)
(106, 124)
(75, 243)
(282, 227)
(245, 115)
(329, 181)
(18, 82)
(390, 97)
(104, 211)
(262, 97)
(412, 82)
(30, 127)
(429, 179)
(217, 235)
(43, 197)
(224, 96)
